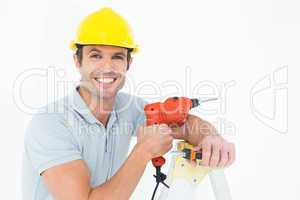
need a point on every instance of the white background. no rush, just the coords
(253, 47)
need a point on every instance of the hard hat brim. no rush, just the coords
(134, 48)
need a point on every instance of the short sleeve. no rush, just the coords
(48, 142)
(140, 114)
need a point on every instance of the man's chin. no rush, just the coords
(108, 95)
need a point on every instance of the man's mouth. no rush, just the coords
(105, 80)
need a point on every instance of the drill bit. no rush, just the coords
(197, 101)
(206, 99)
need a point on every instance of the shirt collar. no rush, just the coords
(83, 110)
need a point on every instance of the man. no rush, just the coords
(79, 152)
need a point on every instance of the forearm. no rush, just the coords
(123, 183)
(194, 130)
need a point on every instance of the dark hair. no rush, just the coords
(79, 54)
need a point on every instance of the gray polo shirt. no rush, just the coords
(68, 131)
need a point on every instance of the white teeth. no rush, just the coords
(105, 80)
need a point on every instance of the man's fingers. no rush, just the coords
(231, 154)
(164, 128)
(224, 158)
(196, 148)
(206, 153)
(215, 156)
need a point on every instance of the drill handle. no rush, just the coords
(158, 161)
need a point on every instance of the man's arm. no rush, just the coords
(70, 181)
(216, 151)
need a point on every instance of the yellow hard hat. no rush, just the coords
(104, 27)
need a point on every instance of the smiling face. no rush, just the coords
(102, 69)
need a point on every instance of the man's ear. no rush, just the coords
(76, 61)
(129, 63)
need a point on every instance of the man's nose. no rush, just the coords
(107, 64)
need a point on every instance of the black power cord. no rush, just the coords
(154, 192)
(160, 178)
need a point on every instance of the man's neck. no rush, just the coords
(100, 107)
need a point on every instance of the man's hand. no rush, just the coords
(156, 140)
(216, 151)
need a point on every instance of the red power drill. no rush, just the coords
(173, 111)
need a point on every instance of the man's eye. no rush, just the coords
(96, 56)
(118, 57)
